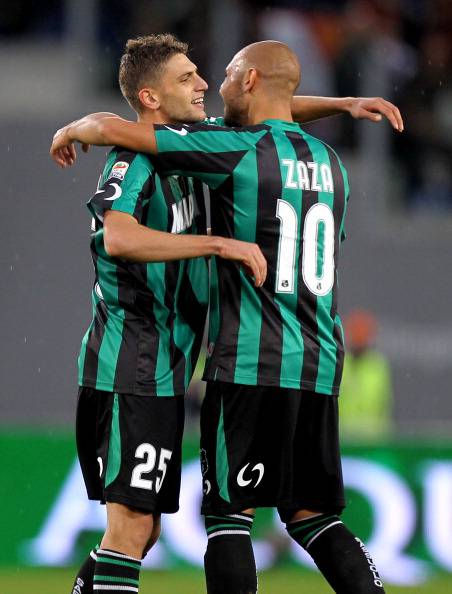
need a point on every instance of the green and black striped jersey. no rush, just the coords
(148, 319)
(275, 185)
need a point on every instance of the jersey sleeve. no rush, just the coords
(123, 186)
(204, 151)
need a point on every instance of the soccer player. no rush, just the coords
(276, 352)
(149, 309)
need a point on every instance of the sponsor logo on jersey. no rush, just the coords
(119, 170)
(244, 482)
(181, 132)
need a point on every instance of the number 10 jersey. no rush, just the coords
(277, 186)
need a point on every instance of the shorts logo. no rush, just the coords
(204, 462)
(242, 482)
(119, 170)
(207, 487)
(101, 466)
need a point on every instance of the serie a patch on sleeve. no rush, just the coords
(119, 170)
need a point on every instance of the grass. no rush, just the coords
(59, 581)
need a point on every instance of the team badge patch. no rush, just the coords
(119, 170)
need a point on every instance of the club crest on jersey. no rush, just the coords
(119, 170)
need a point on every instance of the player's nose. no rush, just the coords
(202, 85)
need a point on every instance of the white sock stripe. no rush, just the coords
(239, 517)
(320, 532)
(93, 555)
(222, 532)
(118, 555)
(122, 588)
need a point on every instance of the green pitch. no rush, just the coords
(59, 581)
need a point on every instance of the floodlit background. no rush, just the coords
(58, 60)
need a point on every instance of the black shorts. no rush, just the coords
(129, 448)
(269, 447)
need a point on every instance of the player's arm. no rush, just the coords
(307, 109)
(103, 129)
(125, 238)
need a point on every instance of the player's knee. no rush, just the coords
(129, 527)
(155, 535)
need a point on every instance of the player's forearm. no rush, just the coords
(308, 109)
(106, 129)
(141, 244)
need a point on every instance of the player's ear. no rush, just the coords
(149, 98)
(249, 80)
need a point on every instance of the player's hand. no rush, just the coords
(249, 255)
(63, 150)
(374, 109)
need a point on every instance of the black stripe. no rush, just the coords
(97, 331)
(202, 161)
(125, 373)
(203, 127)
(338, 213)
(147, 190)
(267, 233)
(229, 282)
(193, 312)
(200, 219)
(307, 301)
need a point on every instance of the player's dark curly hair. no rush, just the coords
(143, 62)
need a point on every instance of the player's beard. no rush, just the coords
(180, 112)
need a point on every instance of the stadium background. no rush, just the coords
(58, 60)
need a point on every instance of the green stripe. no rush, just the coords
(309, 523)
(308, 536)
(248, 339)
(112, 578)
(114, 447)
(112, 339)
(222, 518)
(212, 528)
(222, 459)
(115, 562)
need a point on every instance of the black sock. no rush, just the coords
(340, 555)
(229, 560)
(83, 583)
(116, 573)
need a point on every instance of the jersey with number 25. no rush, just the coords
(275, 185)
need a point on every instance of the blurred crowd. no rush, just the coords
(401, 49)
